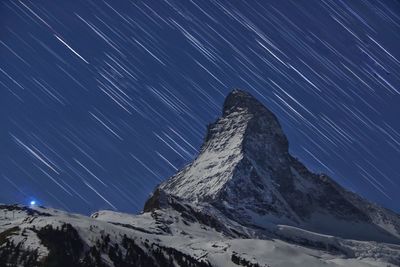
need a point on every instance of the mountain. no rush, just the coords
(244, 169)
(244, 201)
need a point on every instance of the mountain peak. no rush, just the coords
(238, 99)
(246, 132)
(263, 135)
(261, 125)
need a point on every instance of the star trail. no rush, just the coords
(100, 101)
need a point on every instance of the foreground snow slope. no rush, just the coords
(168, 229)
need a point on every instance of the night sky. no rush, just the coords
(102, 100)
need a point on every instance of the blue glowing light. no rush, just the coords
(33, 202)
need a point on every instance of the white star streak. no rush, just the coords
(70, 48)
(105, 125)
(167, 161)
(91, 173)
(55, 181)
(97, 193)
(34, 154)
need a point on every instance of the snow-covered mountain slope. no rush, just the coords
(244, 201)
(244, 169)
(38, 236)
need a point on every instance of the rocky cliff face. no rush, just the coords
(244, 201)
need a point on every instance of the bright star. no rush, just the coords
(33, 202)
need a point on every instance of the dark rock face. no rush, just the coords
(154, 202)
(244, 169)
(64, 244)
(160, 200)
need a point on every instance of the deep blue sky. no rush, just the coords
(102, 100)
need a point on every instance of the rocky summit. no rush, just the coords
(243, 201)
